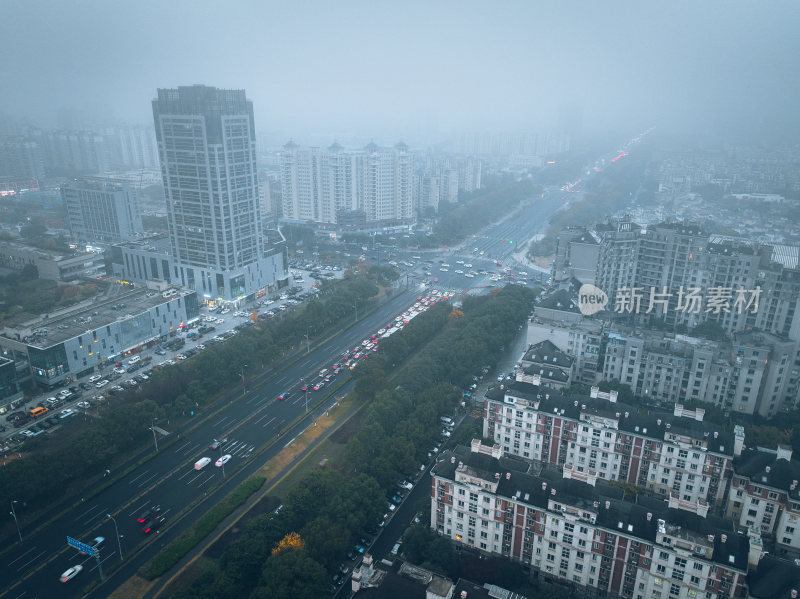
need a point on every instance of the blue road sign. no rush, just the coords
(87, 549)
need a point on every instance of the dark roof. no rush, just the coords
(774, 579)
(559, 300)
(547, 352)
(394, 586)
(584, 237)
(651, 424)
(753, 464)
(620, 515)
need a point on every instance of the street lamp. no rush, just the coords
(14, 514)
(308, 342)
(355, 305)
(306, 386)
(153, 428)
(244, 387)
(116, 530)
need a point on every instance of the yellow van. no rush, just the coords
(38, 411)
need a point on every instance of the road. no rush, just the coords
(169, 480)
(250, 422)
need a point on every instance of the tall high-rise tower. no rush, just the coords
(207, 149)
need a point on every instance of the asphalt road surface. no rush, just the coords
(251, 421)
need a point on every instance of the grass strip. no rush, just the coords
(172, 553)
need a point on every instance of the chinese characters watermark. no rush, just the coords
(689, 300)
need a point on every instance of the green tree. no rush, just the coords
(291, 574)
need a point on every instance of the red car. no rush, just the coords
(283, 396)
(304, 387)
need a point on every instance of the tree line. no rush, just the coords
(330, 510)
(85, 447)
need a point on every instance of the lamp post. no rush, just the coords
(308, 342)
(306, 386)
(244, 386)
(116, 530)
(153, 428)
(14, 514)
(355, 305)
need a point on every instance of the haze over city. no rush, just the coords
(379, 300)
(414, 69)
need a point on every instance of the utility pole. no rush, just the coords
(116, 530)
(14, 514)
(153, 428)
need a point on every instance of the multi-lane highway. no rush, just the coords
(248, 424)
(170, 480)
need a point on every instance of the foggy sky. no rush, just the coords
(423, 67)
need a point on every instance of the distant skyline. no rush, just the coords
(424, 70)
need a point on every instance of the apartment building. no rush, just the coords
(684, 276)
(545, 359)
(583, 532)
(764, 495)
(581, 339)
(676, 455)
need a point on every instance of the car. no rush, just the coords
(84, 405)
(283, 396)
(215, 444)
(84, 386)
(71, 573)
(65, 414)
(119, 370)
(95, 377)
(149, 514)
(154, 524)
(304, 387)
(222, 460)
(319, 386)
(406, 485)
(392, 507)
(101, 384)
(160, 352)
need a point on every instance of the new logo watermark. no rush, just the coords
(690, 300)
(591, 299)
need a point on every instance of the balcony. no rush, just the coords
(700, 507)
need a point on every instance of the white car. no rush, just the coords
(94, 378)
(84, 404)
(119, 370)
(223, 460)
(71, 573)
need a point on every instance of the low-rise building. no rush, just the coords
(90, 335)
(554, 367)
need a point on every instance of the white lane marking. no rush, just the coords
(144, 482)
(38, 555)
(182, 446)
(199, 474)
(138, 477)
(268, 422)
(91, 509)
(21, 556)
(139, 509)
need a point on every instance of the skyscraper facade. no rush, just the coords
(207, 149)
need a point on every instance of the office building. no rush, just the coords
(207, 149)
(101, 210)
